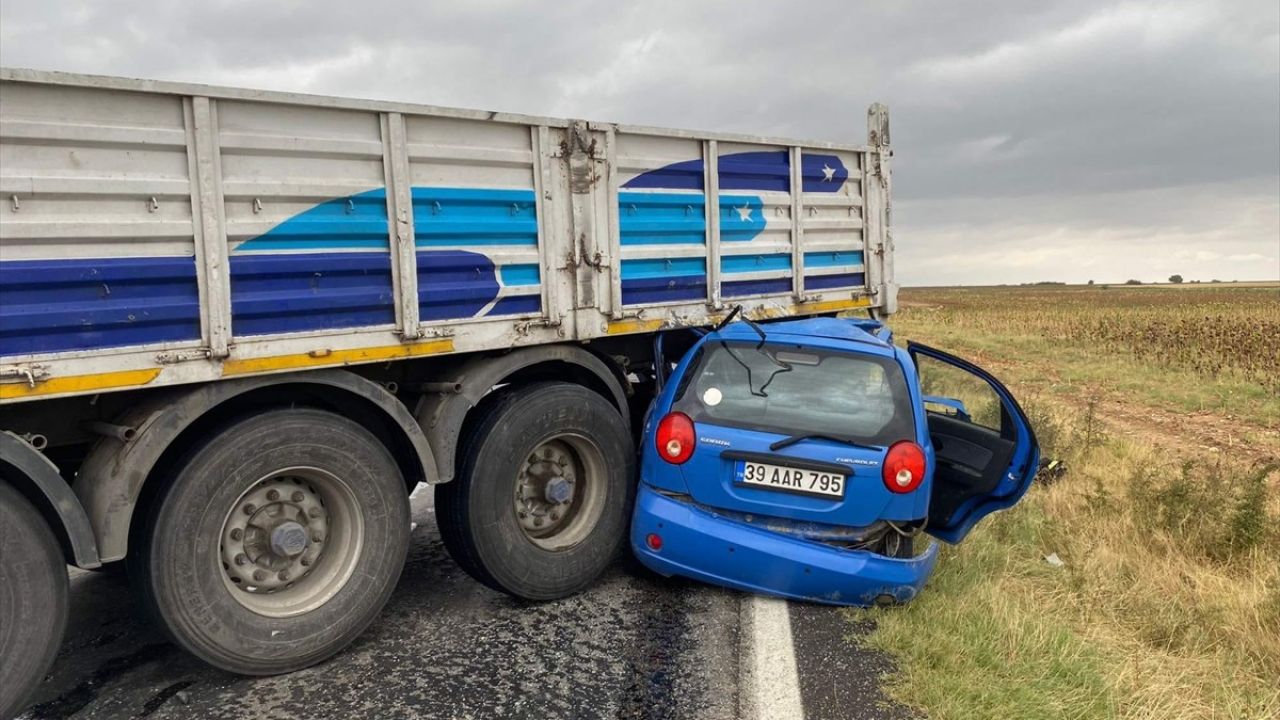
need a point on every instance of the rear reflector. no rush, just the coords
(654, 542)
(675, 439)
(903, 469)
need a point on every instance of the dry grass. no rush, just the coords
(1211, 348)
(1168, 605)
(1209, 331)
(1172, 572)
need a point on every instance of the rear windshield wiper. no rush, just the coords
(786, 442)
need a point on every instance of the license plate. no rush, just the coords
(789, 479)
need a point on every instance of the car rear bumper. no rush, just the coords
(701, 545)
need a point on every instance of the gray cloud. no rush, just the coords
(1049, 140)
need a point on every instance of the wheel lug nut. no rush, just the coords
(259, 575)
(236, 534)
(317, 537)
(306, 562)
(537, 521)
(273, 495)
(314, 512)
(523, 515)
(555, 517)
(284, 575)
(296, 496)
(249, 508)
(241, 559)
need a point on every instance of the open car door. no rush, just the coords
(984, 448)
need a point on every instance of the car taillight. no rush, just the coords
(903, 468)
(675, 439)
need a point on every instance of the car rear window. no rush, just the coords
(791, 390)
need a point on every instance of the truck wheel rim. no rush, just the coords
(559, 493)
(291, 541)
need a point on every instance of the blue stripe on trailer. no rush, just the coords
(354, 222)
(519, 274)
(679, 219)
(442, 216)
(516, 305)
(474, 216)
(822, 173)
(843, 280)
(454, 284)
(762, 170)
(300, 291)
(661, 218)
(832, 259)
(684, 175)
(741, 217)
(296, 292)
(643, 291)
(730, 264)
(661, 280)
(770, 170)
(740, 288)
(663, 267)
(82, 303)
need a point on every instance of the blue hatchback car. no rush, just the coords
(804, 458)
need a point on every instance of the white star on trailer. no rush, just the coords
(744, 213)
(829, 173)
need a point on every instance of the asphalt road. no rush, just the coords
(633, 646)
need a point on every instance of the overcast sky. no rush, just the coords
(1059, 140)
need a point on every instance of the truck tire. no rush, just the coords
(540, 505)
(276, 542)
(33, 599)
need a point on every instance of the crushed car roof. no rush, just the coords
(857, 330)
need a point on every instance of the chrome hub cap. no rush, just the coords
(557, 496)
(291, 541)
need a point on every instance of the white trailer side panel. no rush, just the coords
(160, 233)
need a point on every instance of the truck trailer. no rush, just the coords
(239, 327)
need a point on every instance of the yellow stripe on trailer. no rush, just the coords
(832, 306)
(80, 383)
(322, 358)
(97, 382)
(626, 327)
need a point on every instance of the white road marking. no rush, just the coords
(768, 679)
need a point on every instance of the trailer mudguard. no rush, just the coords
(32, 472)
(113, 474)
(441, 412)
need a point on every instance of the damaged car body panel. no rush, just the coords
(798, 459)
